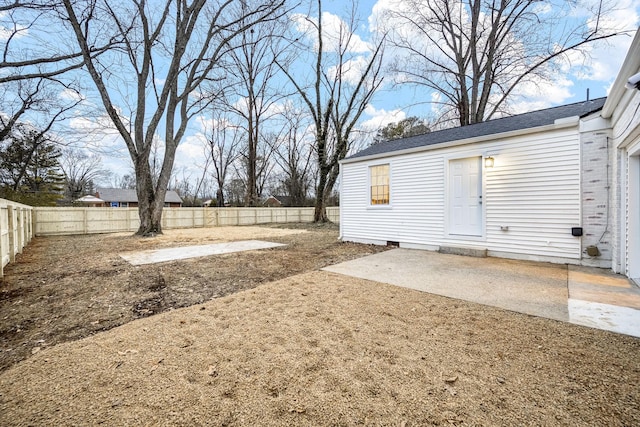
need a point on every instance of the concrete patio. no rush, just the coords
(585, 296)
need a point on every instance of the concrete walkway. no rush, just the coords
(581, 295)
(153, 256)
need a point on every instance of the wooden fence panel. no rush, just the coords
(16, 230)
(88, 220)
(19, 223)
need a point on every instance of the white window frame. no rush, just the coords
(369, 170)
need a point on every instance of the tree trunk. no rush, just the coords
(296, 189)
(220, 198)
(320, 212)
(150, 219)
(149, 210)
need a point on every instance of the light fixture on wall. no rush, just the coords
(488, 162)
(633, 82)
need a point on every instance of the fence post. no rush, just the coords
(19, 230)
(34, 221)
(30, 224)
(11, 223)
(1, 247)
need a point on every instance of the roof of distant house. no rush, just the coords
(89, 199)
(130, 196)
(285, 200)
(506, 124)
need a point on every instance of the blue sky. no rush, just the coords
(393, 103)
(597, 75)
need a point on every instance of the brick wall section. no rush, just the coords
(597, 197)
(618, 217)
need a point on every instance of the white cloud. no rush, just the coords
(98, 135)
(335, 32)
(595, 67)
(539, 95)
(191, 152)
(380, 13)
(352, 70)
(71, 95)
(6, 32)
(379, 118)
(602, 60)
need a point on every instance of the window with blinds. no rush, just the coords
(379, 179)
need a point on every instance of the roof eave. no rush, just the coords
(629, 67)
(560, 124)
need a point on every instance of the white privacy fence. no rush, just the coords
(16, 230)
(19, 223)
(50, 221)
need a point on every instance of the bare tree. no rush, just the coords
(168, 51)
(264, 166)
(224, 140)
(36, 103)
(235, 192)
(81, 172)
(293, 152)
(48, 55)
(254, 65)
(188, 187)
(476, 53)
(43, 60)
(126, 181)
(31, 108)
(342, 83)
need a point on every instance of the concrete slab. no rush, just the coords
(603, 286)
(614, 318)
(602, 299)
(585, 296)
(184, 252)
(539, 289)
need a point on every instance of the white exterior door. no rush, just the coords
(465, 196)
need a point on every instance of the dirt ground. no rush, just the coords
(66, 288)
(314, 348)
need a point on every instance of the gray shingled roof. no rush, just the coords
(129, 196)
(491, 127)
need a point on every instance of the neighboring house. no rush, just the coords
(90, 200)
(559, 185)
(126, 198)
(277, 201)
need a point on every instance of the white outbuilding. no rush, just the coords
(559, 185)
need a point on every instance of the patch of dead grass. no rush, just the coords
(266, 339)
(324, 349)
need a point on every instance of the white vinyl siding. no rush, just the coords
(533, 189)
